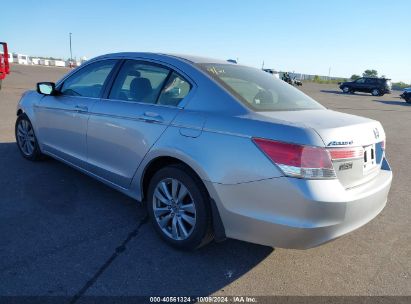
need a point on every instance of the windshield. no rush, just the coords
(259, 90)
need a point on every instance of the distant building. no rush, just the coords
(44, 62)
(20, 58)
(35, 61)
(29, 60)
(59, 63)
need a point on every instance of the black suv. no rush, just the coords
(375, 86)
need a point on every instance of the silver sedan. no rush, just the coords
(214, 149)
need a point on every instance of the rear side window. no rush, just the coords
(175, 90)
(258, 90)
(139, 82)
(88, 81)
(371, 81)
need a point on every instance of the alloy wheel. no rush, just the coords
(375, 92)
(174, 209)
(25, 137)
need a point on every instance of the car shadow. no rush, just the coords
(63, 231)
(393, 102)
(342, 93)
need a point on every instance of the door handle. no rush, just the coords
(81, 108)
(151, 117)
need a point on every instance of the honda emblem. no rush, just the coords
(376, 133)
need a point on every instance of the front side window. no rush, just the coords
(360, 80)
(89, 81)
(258, 90)
(139, 82)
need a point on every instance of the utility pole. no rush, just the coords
(71, 52)
(329, 73)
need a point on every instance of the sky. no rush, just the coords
(308, 37)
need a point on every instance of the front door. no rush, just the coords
(359, 85)
(62, 118)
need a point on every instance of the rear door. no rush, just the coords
(124, 125)
(62, 119)
(371, 83)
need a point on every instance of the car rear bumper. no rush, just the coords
(296, 213)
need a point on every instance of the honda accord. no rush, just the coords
(214, 149)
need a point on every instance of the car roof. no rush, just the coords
(148, 55)
(380, 78)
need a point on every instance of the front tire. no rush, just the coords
(346, 90)
(26, 139)
(178, 205)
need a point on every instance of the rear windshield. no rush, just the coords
(259, 90)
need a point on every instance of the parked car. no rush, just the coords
(293, 81)
(373, 85)
(406, 95)
(297, 82)
(213, 149)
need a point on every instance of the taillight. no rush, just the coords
(346, 153)
(297, 160)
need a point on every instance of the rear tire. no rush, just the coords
(179, 208)
(375, 92)
(26, 139)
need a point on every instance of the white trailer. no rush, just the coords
(44, 62)
(59, 63)
(35, 61)
(20, 58)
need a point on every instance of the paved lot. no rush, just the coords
(62, 233)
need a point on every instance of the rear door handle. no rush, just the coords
(81, 108)
(151, 117)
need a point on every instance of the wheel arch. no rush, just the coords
(162, 161)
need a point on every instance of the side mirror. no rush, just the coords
(46, 88)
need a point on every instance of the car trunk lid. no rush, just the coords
(340, 131)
